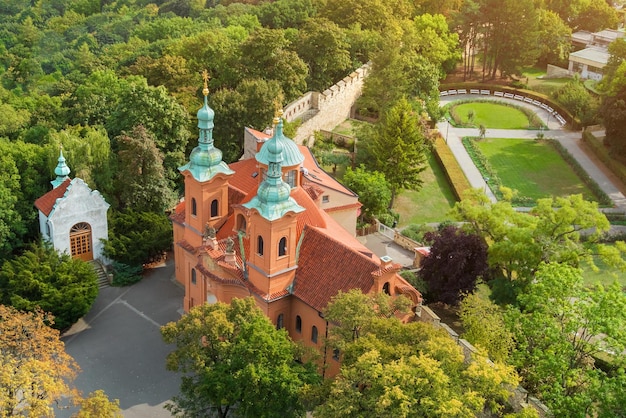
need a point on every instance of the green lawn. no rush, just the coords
(542, 85)
(430, 203)
(533, 168)
(492, 115)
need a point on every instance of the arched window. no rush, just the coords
(259, 245)
(241, 223)
(336, 354)
(193, 276)
(291, 178)
(298, 324)
(280, 321)
(214, 208)
(386, 288)
(314, 334)
(194, 207)
(282, 247)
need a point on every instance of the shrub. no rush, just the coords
(124, 275)
(416, 232)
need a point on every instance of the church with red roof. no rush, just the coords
(276, 227)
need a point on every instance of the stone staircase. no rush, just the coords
(103, 280)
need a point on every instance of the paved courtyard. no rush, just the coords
(119, 348)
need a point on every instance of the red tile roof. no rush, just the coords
(244, 179)
(47, 202)
(326, 266)
(178, 215)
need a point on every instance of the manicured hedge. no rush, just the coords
(602, 153)
(451, 167)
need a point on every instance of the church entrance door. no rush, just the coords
(80, 241)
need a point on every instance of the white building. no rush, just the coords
(590, 61)
(72, 217)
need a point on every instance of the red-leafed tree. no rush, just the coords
(457, 259)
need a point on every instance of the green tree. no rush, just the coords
(98, 405)
(485, 327)
(372, 188)
(266, 55)
(323, 46)
(575, 97)
(11, 225)
(398, 148)
(136, 238)
(554, 38)
(613, 111)
(597, 15)
(56, 283)
(559, 327)
(406, 370)
(141, 182)
(235, 362)
(550, 232)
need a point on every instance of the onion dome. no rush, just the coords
(291, 153)
(273, 198)
(62, 171)
(205, 160)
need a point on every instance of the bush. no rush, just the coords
(389, 219)
(125, 275)
(416, 232)
(415, 281)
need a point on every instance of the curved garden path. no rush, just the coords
(569, 139)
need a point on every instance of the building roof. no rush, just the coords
(326, 266)
(48, 201)
(291, 155)
(598, 57)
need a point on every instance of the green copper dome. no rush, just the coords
(273, 198)
(205, 160)
(62, 171)
(291, 153)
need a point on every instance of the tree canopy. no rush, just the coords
(235, 362)
(41, 278)
(397, 147)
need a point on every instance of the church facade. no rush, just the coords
(259, 228)
(72, 217)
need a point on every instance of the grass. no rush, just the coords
(430, 203)
(533, 168)
(546, 86)
(606, 275)
(348, 127)
(492, 115)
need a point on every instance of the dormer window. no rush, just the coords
(241, 223)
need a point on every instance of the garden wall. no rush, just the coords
(327, 109)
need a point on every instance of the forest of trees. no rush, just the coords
(116, 84)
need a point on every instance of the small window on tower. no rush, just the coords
(291, 178)
(194, 207)
(386, 289)
(241, 223)
(259, 245)
(193, 276)
(298, 324)
(214, 208)
(282, 247)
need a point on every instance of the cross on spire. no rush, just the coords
(206, 78)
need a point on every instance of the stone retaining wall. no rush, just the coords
(328, 108)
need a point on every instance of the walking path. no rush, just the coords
(569, 140)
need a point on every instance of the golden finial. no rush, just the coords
(278, 111)
(205, 77)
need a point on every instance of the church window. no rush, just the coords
(214, 208)
(194, 207)
(314, 334)
(282, 247)
(259, 245)
(193, 276)
(386, 288)
(298, 324)
(241, 223)
(280, 322)
(291, 178)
